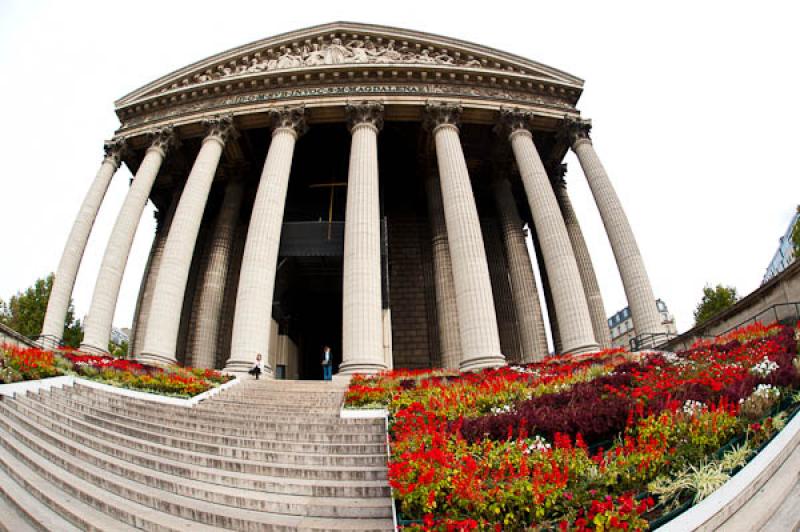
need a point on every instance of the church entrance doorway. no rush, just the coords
(310, 305)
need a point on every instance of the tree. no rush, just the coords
(118, 350)
(796, 237)
(714, 301)
(25, 312)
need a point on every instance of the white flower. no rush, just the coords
(505, 409)
(764, 368)
(670, 357)
(692, 408)
(536, 444)
(766, 391)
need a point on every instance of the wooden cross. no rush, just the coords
(332, 185)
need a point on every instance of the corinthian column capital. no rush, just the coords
(365, 113)
(291, 118)
(575, 131)
(557, 173)
(512, 121)
(438, 114)
(162, 139)
(220, 128)
(114, 149)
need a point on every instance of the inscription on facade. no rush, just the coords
(348, 90)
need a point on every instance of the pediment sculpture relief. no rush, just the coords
(333, 53)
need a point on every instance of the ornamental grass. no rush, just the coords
(21, 364)
(604, 441)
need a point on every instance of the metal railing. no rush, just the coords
(784, 313)
(650, 340)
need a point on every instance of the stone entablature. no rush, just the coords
(347, 60)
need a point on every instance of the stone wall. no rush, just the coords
(759, 305)
(412, 314)
(11, 337)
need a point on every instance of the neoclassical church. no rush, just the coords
(358, 186)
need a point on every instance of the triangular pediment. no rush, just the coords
(340, 44)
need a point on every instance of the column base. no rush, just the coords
(590, 348)
(361, 366)
(482, 362)
(94, 350)
(243, 366)
(154, 359)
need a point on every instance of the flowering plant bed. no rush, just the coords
(605, 441)
(21, 364)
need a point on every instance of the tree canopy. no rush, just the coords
(796, 237)
(25, 312)
(714, 301)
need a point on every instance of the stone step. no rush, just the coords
(119, 495)
(280, 404)
(787, 516)
(124, 424)
(279, 384)
(22, 512)
(298, 404)
(348, 488)
(83, 432)
(217, 449)
(61, 453)
(84, 505)
(238, 416)
(229, 425)
(221, 415)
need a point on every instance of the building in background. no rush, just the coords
(119, 336)
(621, 328)
(784, 255)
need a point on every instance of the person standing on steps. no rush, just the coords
(327, 363)
(258, 368)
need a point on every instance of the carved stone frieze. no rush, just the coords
(365, 112)
(290, 117)
(334, 52)
(378, 89)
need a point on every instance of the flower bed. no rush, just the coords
(18, 364)
(606, 441)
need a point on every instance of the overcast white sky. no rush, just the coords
(694, 106)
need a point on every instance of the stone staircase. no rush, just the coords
(262, 455)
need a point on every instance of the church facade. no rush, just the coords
(357, 186)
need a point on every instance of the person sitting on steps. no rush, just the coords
(258, 368)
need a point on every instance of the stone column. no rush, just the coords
(446, 311)
(590, 287)
(97, 327)
(212, 286)
(362, 320)
(525, 295)
(164, 321)
(507, 325)
(642, 302)
(480, 341)
(64, 281)
(145, 299)
(574, 322)
(251, 322)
